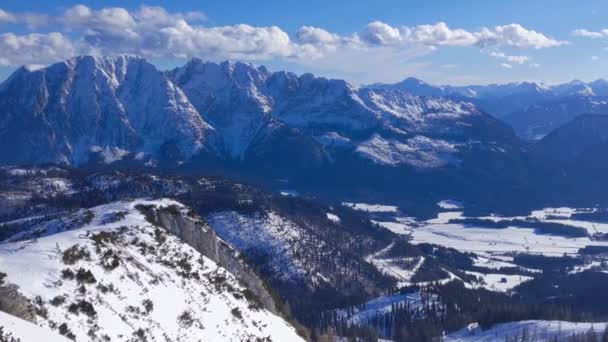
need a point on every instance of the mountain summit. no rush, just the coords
(108, 105)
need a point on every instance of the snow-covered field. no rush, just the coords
(494, 247)
(498, 241)
(372, 208)
(119, 276)
(535, 330)
(498, 282)
(415, 302)
(395, 267)
(450, 205)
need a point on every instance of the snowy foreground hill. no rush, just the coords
(118, 272)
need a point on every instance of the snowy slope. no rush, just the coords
(110, 272)
(270, 234)
(535, 330)
(417, 303)
(27, 331)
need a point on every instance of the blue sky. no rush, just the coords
(443, 42)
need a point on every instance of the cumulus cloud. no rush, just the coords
(152, 31)
(515, 35)
(34, 48)
(316, 36)
(31, 20)
(381, 34)
(590, 34)
(440, 34)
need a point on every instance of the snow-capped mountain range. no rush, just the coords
(242, 120)
(533, 109)
(110, 108)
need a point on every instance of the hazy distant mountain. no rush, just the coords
(571, 140)
(532, 109)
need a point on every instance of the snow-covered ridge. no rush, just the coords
(115, 274)
(419, 151)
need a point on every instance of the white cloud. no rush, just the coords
(379, 33)
(6, 17)
(515, 35)
(595, 58)
(509, 58)
(506, 65)
(34, 48)
(316, 36)
(590, 34)
(439, 34)
(30, 20)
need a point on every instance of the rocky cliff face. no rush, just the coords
(194, 231)
(13, 303)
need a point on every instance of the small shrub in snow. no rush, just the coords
(133, 310)
(41, 310)
(65, 331)
(6, 337)
(67, 274)
(84, 307)
(148, 305)
(184, 268)
(159, 236)
(88, 217)
(104, 238)
(85, 276)
(218, 280)
(147, 211)
(74, 254)
(236, 312)
(58, 300)
(139, 336)
(82, 289)
(109, 260)
(185, 319)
